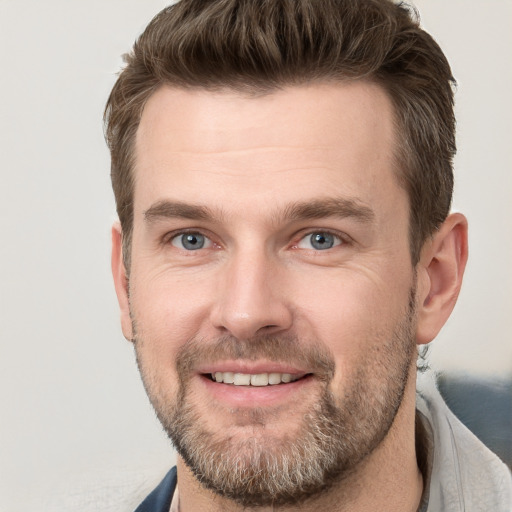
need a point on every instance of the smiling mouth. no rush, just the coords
(254, 379)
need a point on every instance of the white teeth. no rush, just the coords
(242, 379)
(229, 377)
(274, 378)
(261, 379)
(258, 379)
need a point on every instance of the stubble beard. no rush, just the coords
(336, 435)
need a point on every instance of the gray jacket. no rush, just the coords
(463, 474)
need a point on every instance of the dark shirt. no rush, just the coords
(160, 498)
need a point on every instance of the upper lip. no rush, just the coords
(250, 367)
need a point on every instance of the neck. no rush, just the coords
(388, 480)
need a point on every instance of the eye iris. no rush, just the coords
(322, 241)
(192, 241)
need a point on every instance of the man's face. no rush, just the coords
(271, 286)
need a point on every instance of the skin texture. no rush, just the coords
(247, 173)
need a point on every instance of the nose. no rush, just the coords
(251, 297)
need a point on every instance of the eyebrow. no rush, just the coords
(177, 210)
(302, 210)
(329, 207)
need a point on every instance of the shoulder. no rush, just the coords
(464, 473)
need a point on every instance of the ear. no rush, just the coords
(121, 281)
(440, 270)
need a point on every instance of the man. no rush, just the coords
(283, 179)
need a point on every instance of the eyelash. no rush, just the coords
(342, 237)
(169, 237)
(299, 237)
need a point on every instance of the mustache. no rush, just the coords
(316, 358)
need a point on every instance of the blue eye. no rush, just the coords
(191, 241)
(320, 241)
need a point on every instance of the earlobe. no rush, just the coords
(440, 273)
(121, 281)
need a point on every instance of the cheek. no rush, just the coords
(168, 311)
(353, 314)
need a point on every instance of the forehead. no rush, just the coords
(298, 140)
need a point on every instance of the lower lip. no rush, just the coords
(254, 396)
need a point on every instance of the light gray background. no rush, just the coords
(75, 426)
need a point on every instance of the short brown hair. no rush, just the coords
(262, 45)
